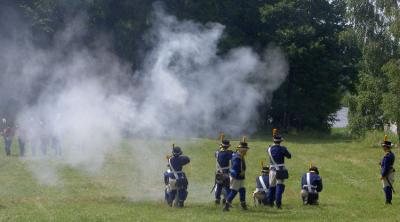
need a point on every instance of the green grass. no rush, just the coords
(349, 169)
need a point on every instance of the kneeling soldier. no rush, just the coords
(223, 158)
(262, 186)
(311, 185)
(177, 182)
(237, 176)
(387, 170)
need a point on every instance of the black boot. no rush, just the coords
(305, 201)
(227, 206)
(243, 205)
(223, 201)
(217, 201)
(180, 204)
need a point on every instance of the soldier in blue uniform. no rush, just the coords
(237, 176)
(311, 185)
(177, 182)
(277, 171)
(8, 135)
(223, 159)
(387, 170)
(262, 185)
(167, 175)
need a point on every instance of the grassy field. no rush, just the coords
(349, 169)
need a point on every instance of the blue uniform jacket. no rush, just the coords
(168, 174)
(315, 181)
(238, 167)
(387, 163)
(177, 163)
(223, 158)
(279, 153)
(266, 182)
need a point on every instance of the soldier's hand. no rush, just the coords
(382, 178)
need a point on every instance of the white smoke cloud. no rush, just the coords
(87, 101)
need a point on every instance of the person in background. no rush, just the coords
(223, 159)
(237, 176)
(177, 183)
(387, 170)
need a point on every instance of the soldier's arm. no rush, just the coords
(235, 170)
(319, 185)
(185, 160)
(385, 167)
(287, 153)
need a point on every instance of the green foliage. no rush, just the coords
(391, 101)
(375, 25)
(364, 108)
(320, 63)
(321, 50)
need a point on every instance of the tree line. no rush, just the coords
(340, 52)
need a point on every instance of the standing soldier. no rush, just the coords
(262, 185)
(387, 170)
(223, 158)
(278, 173)
(311, 185)
(177, 183)
(237, 176)
(8, 135)
(21, 140)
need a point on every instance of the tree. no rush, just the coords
(375, 24)
(391, 101)
(309, 32)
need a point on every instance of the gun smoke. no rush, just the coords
(87, 100)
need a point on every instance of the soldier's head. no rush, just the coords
(313, 169)
(176, 151)
(225, 144)
(242, 148)
(277, 139)
(387, 145)
(265, 170)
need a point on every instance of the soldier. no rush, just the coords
(223, 158)
(21, 140)
(177, 183)
(8, 135)
(278, 173)
(262, 185)
(387, 170)
(44, 137)
(237, 176)
(311, 185)
(167, 175)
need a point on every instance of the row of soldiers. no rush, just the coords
(36, 137)
(230, 176)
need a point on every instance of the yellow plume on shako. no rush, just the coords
(385, 138)
(221, 136)
(244, 139)
(274, 132)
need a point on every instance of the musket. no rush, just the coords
(212, 189)
(390, 185)
(221, 137)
